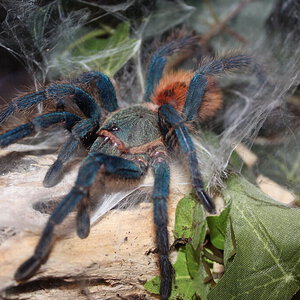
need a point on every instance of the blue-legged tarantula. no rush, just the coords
(124, 142)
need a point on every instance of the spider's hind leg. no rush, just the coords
(221, 65)
(235, 62)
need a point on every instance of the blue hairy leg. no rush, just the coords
(83, 132)
(199, 81)
(59, 92)
(159, 60)
(83, 100)
(194, 96)
(105, 89)
(86, 177)
(113, 165)
(56, 91)
(159, 196)
(171, 120)
(40, 122)
(21, 104)
(221, 65)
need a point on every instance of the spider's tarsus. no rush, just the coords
(166, 277)
(83, 223)
(6, 113)
(54, 174)
(27, 269)
(206, 201)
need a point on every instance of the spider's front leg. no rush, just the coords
(86, 177)
(83, 131)
(160, 195)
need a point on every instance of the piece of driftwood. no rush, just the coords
(115, 260)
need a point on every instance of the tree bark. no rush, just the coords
(113, 262)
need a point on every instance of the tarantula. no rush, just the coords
(124, 142)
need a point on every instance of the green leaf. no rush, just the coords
(192, 259)
(266, 264)
(217, 227)
(190, 223)
(183, 287)
(152, 285)
(95, 51)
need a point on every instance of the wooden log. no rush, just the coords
(113, 262)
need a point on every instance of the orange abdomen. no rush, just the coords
(173, 88)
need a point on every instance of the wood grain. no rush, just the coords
(112, 263)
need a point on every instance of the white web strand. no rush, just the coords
(180, 179)
(252, 105)
(30, 33)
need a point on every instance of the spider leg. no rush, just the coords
(159, 60)
(59, 92)
(194, 96)
(160, 194)
(21, 104)
(54, 173)
(83, 223)
(83, 132)
(225, 64)
(86, 177)
(232, 63)
(170, 119)
(105, 89)
(55, 91)
(83, 100)
(199, 82)
(40, 122)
